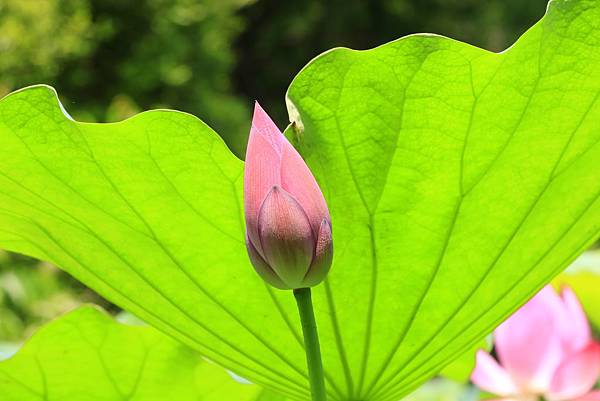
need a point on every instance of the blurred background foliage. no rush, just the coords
(110, 59)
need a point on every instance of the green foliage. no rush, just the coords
(178, 54)
(39, 36)
(127, 56)
(460, 182)
(85, 355)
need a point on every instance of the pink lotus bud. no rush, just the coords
(288, 228)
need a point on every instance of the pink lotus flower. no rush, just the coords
(288, 228)
(545, 350)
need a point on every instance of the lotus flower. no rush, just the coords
(544, 350)
(288, 228)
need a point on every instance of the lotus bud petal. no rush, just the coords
(286, 237)
(288, 228)
(262, 267)
(323, 256)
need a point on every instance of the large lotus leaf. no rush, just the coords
(147, 212)
(459, 181)
(86, 356)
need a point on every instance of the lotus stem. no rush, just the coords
(311, 344)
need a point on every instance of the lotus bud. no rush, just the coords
(288, 228)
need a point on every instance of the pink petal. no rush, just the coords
(592, 396)
(286, 237)
(262, 268)
(297, 179)
(577, 374)
(575, 328)
(528, 343)
(491, 377)
(272, 161)
(262, 168)
(520, 398)
(323, 256)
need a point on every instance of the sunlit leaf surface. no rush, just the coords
(459, 181)
(86, 356)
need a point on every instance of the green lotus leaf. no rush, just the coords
(460, 181)
(86, 356)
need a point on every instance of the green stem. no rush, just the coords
(311, 344)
